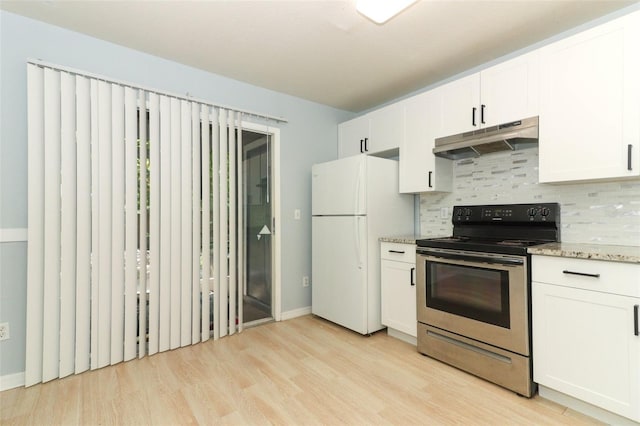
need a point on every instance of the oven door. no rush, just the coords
(482, 296)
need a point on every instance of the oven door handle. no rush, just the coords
(477, 259)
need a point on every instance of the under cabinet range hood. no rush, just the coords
(503, 137)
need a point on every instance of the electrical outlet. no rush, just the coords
(4, 331)
(305, 281)
(444, 213)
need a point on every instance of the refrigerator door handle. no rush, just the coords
(358, 187)
(358, 243)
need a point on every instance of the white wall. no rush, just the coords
(310, 136)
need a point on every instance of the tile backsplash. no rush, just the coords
(602, 213)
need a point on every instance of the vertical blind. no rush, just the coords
(135, 230)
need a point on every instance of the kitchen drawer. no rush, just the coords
(604, 276)
(398, 252)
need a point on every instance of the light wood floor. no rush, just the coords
(304, 371)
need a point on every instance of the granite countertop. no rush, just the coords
(627, 254)
(407, 239)
(401, 239)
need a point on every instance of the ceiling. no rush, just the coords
(322, 50)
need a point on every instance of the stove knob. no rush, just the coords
(544, 211)
(467, 212)
(532, 211)
(458, 212)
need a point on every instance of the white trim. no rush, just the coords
(13, 235)
(188, 97)
(278, 223)
(407, 338)
(295, 313)
(584, 407)
(11, 381)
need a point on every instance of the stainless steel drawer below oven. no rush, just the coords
(501, 367)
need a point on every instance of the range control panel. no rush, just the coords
(507, 213)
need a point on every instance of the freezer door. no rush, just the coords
(339, 270)
(338, 187)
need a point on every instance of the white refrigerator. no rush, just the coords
(355, 201)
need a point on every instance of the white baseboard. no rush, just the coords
(584, 407)
(13, 235)
(407, 338)
(295, 313)
(11, 381)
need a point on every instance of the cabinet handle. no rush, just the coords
(430, 173)
(629, 148)
(473, 116)
(361, 151)
(396, 251)
(366, 149)
(636, 332)
(413, 282)
(482, 107)
(582, 274)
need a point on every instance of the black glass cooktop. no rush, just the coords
(503, 229)
(506, 246)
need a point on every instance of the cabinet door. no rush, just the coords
(351, 136)
(420, 170)
(386, 128)
(590, 104)
(459, 106)
(584, 346)
(509, 91)
(398, 297)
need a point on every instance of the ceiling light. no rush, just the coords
(380, 11)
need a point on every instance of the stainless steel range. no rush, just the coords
(474, 290)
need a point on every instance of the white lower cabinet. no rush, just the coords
(398, 279)
(585, 331)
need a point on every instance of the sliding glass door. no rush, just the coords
(258, 217)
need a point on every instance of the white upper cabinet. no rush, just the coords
(373, 133)
(352, 135)
(459, 106)
(500, 94)
(510, 90)
(590, 104)
(420, 169)
(386, 128)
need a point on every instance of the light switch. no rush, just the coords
(296, 214)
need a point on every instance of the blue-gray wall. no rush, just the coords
(309, 137)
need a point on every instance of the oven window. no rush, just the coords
(477, 293)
